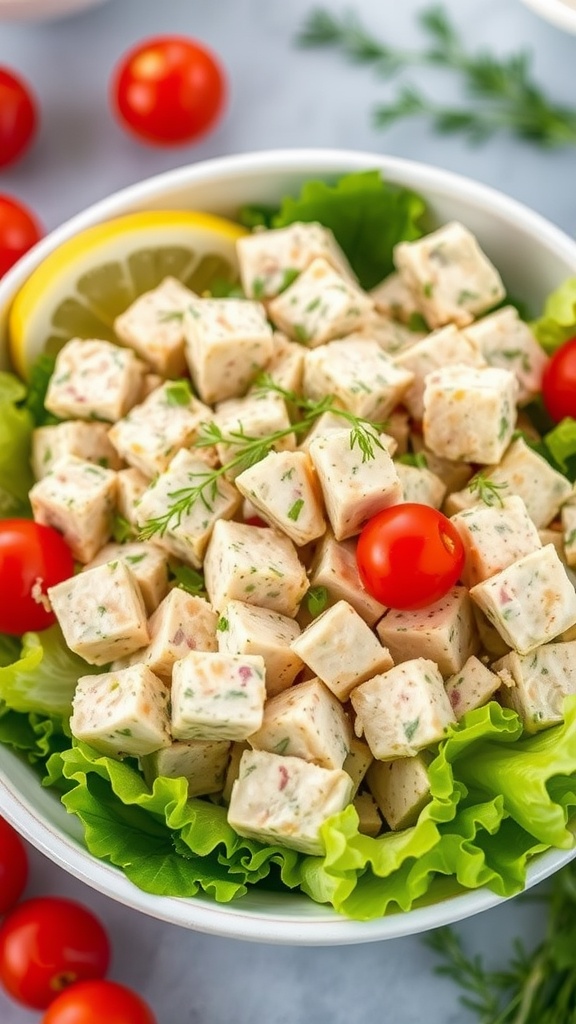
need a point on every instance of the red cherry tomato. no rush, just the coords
(98, 1002)
(32, 558)
(47, 944)
(18, 117)
(13, 867)
(409, 556)
(19, 231)
(559, 382)
(169, 90)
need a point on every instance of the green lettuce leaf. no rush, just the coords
(367, 215)
(492, 808)
(40, 374)
(522, 771)
(16, 425)
(165, 843)
(558, 321)
(37, 737)
(44, 678)
(560, 442)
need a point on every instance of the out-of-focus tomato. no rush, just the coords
(47, 944)
(169, 90)
(32, 558)
(13, 867)
(19, 231)
(98, 1002)
(409, 556)
(559, 382)
(18, 117)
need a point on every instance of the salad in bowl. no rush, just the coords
(286, 477)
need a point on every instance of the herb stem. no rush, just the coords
(252, 449)
(504, 95)
(537, 988)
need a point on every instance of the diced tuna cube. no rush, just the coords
(217, 696)
(101, 613)
(77, 498)
(403, 710)
(122, 713)
(94, 380)
(286, 800)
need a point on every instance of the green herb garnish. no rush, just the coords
(487, 490)
(295, 510)
(122, 530)
(249, 450)
(178, 392)
(417, 459)
(317, 600)
(190, 580)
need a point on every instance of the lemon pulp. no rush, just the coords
(79, 289)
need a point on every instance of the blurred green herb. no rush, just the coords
(190, 580)
(503, 94)
(122, 530)
(535, 988)
(316, 600)
(178, 392)
(417, 459)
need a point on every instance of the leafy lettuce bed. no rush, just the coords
(498, 798)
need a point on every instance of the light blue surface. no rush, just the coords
(279, 97)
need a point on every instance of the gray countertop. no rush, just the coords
(280, 97)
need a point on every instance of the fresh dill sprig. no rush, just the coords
(363, 432)
(487, 490)
(480, 987)
(535, 988)
(248, 450)
(503, 94)
(323, 28)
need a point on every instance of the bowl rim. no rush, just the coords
(554, 11)
(324, 927)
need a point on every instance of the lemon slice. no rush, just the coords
(83, 285)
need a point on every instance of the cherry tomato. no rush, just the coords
(18, 117)
(32, 558)
(13, 867)
(169, 90)
(19, 231)
(98, 1002)
(559, 382)
(47, 944)
(409, 556)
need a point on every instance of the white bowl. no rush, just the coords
(533, 257)
(561, 13)
(42, 10)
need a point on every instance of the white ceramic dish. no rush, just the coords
(561, 13)
(42, 10)
(533, 257)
